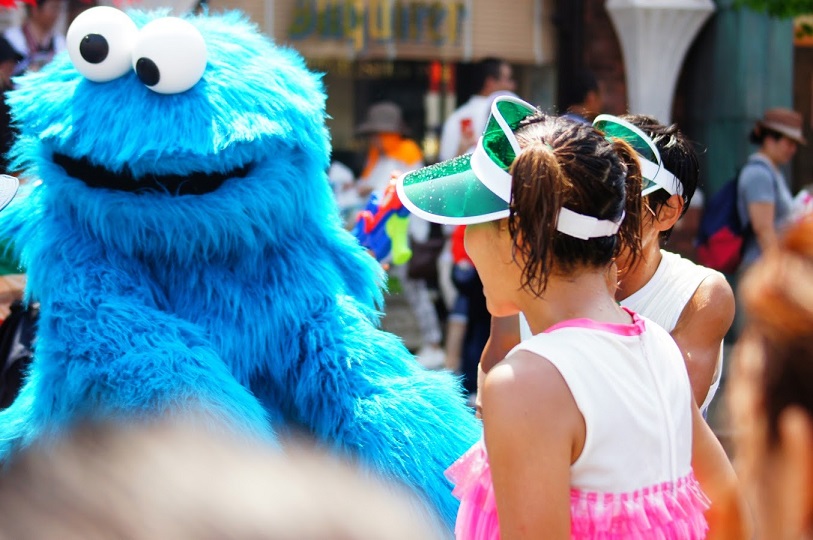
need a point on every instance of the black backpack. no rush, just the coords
(722, 235)
(16, 338)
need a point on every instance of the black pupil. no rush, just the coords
(147, 71)
(94, 48)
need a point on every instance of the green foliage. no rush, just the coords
(803, 30)
(779, 8)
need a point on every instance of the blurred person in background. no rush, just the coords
(764, 200)
(37, 39)
(390, 151)
(771, 391)
(466, 123)
(468, 323)
(582, 100)
(9, 58)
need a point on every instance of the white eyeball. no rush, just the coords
(100, 43)
(169, 55)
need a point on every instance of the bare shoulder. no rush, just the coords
(527, 385)
(519, 395)
(713, 290)
(711, 304)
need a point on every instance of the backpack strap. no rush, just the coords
(758, 162)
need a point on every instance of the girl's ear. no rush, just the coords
(669, 213)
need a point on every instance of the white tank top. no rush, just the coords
(630, 385)
(664, 297)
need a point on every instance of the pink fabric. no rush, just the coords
(635, 328)
(668, 511)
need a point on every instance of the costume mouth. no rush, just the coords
(97, 176)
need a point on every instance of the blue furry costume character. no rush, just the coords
(185, 249)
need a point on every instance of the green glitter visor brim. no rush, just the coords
(450, 193)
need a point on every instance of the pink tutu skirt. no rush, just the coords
(667, 511)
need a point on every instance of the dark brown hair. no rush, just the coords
(571, 165)
(778, 299)
(678, 156)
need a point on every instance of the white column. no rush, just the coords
(177, 7)
(655, 36)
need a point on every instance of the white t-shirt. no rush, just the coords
(475, 110)
(630, 385)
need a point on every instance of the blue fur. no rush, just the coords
(250, 302)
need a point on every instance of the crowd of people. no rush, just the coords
(592, 353)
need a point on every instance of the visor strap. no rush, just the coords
(491, 175)
(585, 227)
(661, 176)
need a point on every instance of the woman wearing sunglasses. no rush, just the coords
(589, 427)
(693, 303)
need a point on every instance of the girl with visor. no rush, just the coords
(693, 303)
(590, 430)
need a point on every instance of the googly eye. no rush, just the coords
(169, 55)
(100, 43)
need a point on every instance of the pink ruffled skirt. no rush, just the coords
(667, 511)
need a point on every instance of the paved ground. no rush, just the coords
(400, 321)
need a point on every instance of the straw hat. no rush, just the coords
(784, 121)
(383, 117)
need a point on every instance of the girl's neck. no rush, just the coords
(633, 279)
(587, 294)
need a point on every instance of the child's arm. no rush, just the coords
(728, 517)
(530, 450)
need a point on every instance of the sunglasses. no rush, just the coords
(655, 174)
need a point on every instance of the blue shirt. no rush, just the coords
(761, 182)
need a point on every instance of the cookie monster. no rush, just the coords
(186, 252)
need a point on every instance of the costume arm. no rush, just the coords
(700, 330)
(359, 390)
(105, 348)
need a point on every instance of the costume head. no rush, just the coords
(153, 104)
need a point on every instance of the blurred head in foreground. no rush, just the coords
(771, 393)
(184, 483)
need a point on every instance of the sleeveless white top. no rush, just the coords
(664, 297)
(633, 478)
(630, 385)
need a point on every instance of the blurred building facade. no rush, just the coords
(419, 53)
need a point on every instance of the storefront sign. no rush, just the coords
(375, 22)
